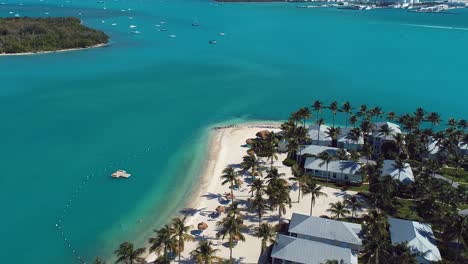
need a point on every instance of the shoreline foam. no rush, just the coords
(101, 45)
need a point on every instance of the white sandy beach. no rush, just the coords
(227, 149)
(53, 51)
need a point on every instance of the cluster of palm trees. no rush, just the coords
(167, 242)
(427, 143)
(351, 205)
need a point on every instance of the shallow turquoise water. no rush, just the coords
(145, 103)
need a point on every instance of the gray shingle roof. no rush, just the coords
(310, 252)
(325, 228)
(419, 237)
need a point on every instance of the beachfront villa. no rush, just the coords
(405, 176)
(314, 240)
(338, 170)
(419, 237)
(316, 149)
(320, 137)
(378, 138)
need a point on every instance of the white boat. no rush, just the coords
(135, 32)
(172, 36)
(114, 24)
(222, 33)
(213, 41)
(132, 26)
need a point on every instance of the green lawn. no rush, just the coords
(462, 177)
(362, 188)
(406, 210)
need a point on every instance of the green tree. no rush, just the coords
(338, 210)
(326, 159)
(181, 232)
(315, 191)
(231, 226)
(278, 197)
(126, 254)
(230, 176)
(300, 177)
(258, 205)
(353, 203)
(164, 241)
(266, 233)
(205, 253)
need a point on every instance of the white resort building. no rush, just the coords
(378, 138)
(419, 237)
(405, 176)
(314, 240)
(321, 138)
(338, 170)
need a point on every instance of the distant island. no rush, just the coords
(35, 35)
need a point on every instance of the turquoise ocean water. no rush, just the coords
(145, 103)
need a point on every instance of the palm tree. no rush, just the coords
(266, 233)
(271, 154)
(257, 187)
(272, 176)
(278, 197)
(317, 106)
(362, 111)
(230, 176)
(434, 118)
(391, 116)
(232, 227)
(233, 209)
(385, 130)
(353, 120)
(319, 123)
(399, 165)
(127, 255)
(99, 261)
(333, 133)
(338, 210)
(205, 253)
(452, 123)
(181, 231)
(326, 159)
(333, 108)
(399, 141)
(250, 162)
(377, 111)
(305, 114)
(419, 114)
(163, 260)
(353, 203)
(164, 241)
(315, 191)
(346, 108)
(300, 177)
(259, 205)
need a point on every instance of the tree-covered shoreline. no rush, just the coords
(22, 35)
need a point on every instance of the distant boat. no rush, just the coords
(120, 174)
(213, 41)
(195, 24)
(135, 32)
(132, 26)
(163, 29)
(172, 36)
(114, 24)
(100, 2)
(221, 33)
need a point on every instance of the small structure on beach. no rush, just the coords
(264, 134)
(202, 226)
(120, 174)
(220, 209)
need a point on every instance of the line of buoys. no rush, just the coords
(59, 225)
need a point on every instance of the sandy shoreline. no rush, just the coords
(54, 51)
(225, 149)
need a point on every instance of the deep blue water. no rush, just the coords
(145, 103)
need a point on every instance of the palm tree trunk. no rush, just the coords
(327, 173)
(279, 215)
(232, 192)
(311, 203)
(230, 247)
(299, 192)
(259, 219)
(179, 249)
